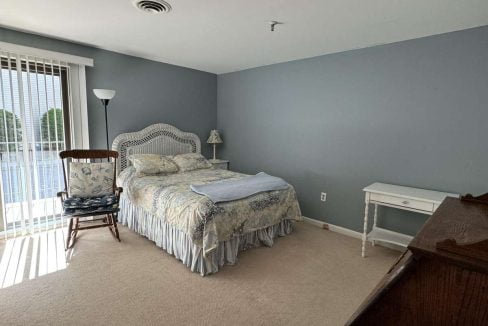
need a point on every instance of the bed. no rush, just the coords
(203, 235)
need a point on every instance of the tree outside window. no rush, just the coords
(52, 129)
(8, 139)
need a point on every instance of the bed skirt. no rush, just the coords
(180, 245)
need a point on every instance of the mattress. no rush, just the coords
(170, 199)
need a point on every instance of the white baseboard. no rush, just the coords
(315, 222)
(348, 232)
(345, 231)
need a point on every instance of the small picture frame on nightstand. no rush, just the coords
(220, 164)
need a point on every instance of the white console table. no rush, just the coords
(405, 198)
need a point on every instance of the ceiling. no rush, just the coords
(221, 36)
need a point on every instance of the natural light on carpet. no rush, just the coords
(33, 256)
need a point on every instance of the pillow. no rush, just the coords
(148, 164)
(191, 161)
(91, 179)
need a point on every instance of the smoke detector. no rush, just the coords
(153, 6)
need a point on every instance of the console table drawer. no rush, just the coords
(403, 202)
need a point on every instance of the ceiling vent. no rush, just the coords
(153, 6)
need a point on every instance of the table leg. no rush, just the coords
(365, 231)
(375, 218)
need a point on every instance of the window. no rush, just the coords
(43, 110)
(34, 127)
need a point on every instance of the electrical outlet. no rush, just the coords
(323, 196)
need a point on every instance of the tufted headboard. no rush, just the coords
(159, 138)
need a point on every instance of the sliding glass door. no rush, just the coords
(34, 127)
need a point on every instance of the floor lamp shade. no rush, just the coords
(105, 95)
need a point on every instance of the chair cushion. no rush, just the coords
(91, 179)
(80, 205)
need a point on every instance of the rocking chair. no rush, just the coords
(90, 191)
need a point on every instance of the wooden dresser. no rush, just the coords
(442, 279)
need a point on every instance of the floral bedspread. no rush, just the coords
(170, 198)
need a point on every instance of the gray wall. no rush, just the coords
(412, 113)
(147, 91)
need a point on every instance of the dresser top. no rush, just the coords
(409, 192)
(464, 222)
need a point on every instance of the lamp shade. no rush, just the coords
(214, 137)
(104, 94)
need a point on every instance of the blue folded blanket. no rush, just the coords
(228, 190)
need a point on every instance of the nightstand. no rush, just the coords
(220, 164)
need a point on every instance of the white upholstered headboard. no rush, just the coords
(159, 138)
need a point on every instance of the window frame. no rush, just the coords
(61, 71)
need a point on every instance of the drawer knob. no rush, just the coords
(405, 202)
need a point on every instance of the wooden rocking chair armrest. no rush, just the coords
(118, 191)
(63, 195)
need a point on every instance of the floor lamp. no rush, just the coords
(105, 95)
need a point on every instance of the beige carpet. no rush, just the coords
(312, 277)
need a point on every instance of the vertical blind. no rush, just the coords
(34, 119)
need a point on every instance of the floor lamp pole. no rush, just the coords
(105, 103)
